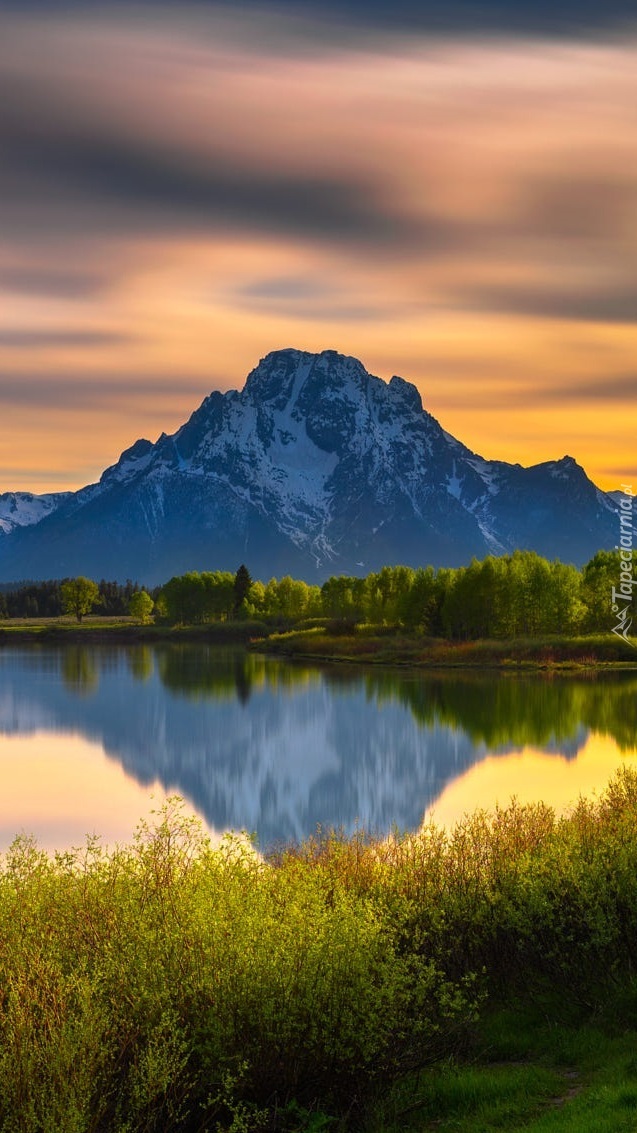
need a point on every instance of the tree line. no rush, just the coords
(520, 594)
(47, 599)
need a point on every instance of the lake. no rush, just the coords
(92, 738)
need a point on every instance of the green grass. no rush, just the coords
(527, 1073)
(96, 628)
(398, 647)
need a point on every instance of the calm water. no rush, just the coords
(92, 738)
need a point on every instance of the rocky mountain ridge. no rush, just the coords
(315, 468)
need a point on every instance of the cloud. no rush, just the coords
(215, 181)
(300, 297)
(77, 168)
(415, 150)
(35, 338)
(585, 205)
(603, 304)
(110, 390)
(610, 390)
(339, 18)
(52, 281)
(617, 388)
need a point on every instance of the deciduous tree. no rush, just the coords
(141, 606)
(79, 595)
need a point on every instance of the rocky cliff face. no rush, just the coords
(316, 467)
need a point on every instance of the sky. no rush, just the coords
(446, 191)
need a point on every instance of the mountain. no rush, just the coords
(315, 468)
(22, 509)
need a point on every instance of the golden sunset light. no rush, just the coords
(318, 406)
(182, 196)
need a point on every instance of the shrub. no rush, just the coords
(177, 985)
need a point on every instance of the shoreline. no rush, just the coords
(388, 648)
(124, 632)
(598, 652)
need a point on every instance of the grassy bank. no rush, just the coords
(97, 630)
(479, 979)
(325, 642)
(393, 647)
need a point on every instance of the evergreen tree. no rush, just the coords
(242, 584)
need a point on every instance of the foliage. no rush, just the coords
(499, 598)
(43, 599)
(176, 985)
(242, 584)
(598, 578)
(521, 594)
(140, 606)
(79, 595)
(171, 979)
(115, 597)
(194, 598)
(390, 645)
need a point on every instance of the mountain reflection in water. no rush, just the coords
(258, 744)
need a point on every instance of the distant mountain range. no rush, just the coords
(315, 468)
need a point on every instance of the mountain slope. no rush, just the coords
(23, 509)
(314, 468)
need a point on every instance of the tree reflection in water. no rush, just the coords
(259, 744)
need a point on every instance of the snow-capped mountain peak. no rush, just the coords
(316, 467)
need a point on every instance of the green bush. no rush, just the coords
(177, 985)
(171, 982)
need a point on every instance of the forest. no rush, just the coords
(521, 594)
(515, 595)
(45, 599)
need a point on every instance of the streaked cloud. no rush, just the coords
(118, 392)
(596, 302)
(617, 389)
(35, 338)
(51, 281)
(453, 18)
(183, 190)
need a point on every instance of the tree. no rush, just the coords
(194, 599)
(255, 602)
(598, 578)
(79, 595)
(344, 597)
(242, 584)
(140, 606)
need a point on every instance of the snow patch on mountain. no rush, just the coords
(133, 461)
(316, 467)
(23, 509)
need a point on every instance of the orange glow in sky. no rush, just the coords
(181, 196)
